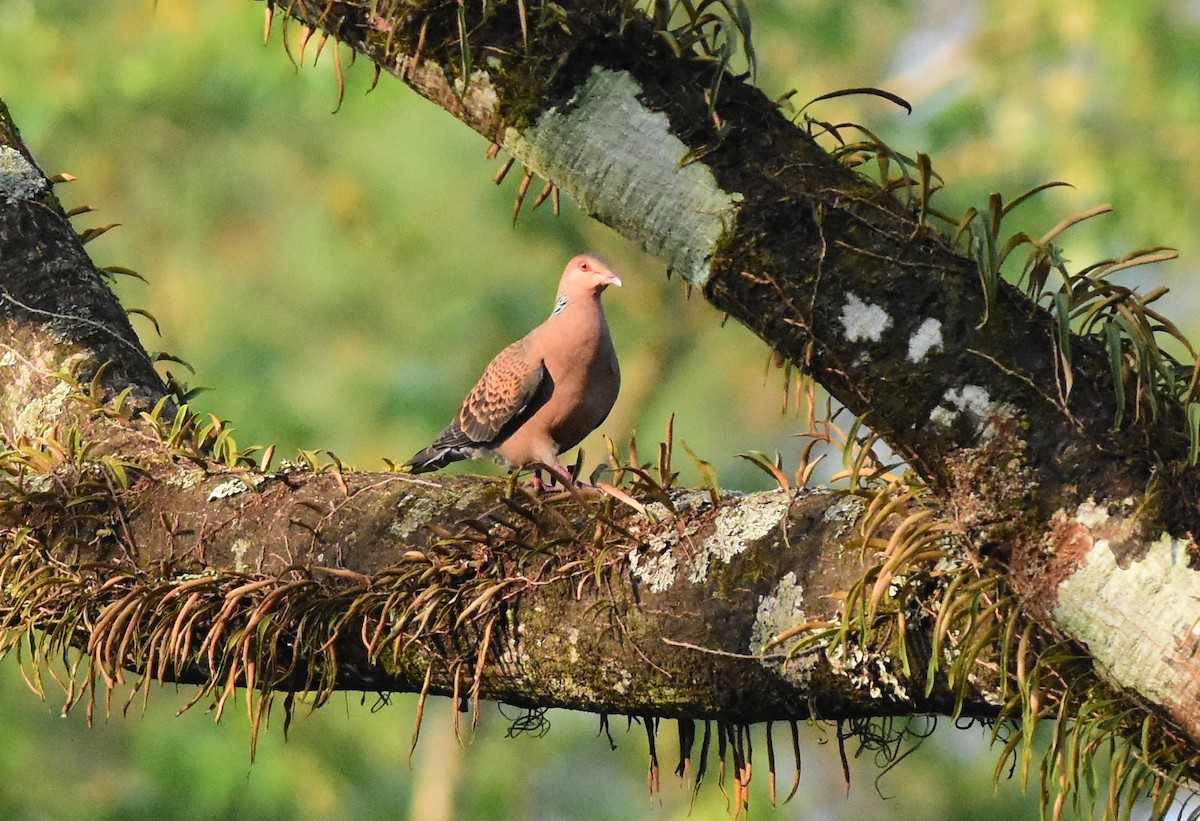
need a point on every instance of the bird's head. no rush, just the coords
(587, 274)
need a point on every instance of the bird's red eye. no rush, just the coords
(583, 265)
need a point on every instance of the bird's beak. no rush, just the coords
(611, 279)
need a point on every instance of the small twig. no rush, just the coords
(727, 654)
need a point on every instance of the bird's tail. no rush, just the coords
(434, 457)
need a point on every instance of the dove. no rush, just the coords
(545, 392)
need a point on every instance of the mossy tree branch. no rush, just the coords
(970, 384)
(153, 545)
(144, 542)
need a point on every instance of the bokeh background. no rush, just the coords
(338, 281)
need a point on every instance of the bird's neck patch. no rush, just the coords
(559, 305)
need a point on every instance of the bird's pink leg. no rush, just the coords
(556, 472)
(566, 478)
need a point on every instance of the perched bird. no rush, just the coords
(544, 393)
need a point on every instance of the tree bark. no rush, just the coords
(152, 543)
(1017, 438)
(148, 545)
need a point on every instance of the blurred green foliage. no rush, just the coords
(339, 281)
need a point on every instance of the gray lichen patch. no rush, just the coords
(1091, 515)
(1097, 518)
(234, 486)
(239, 549)
(479, 93)
(573, 644)
(655, 566)
(185, 479)
(19, 178)
(654, 563)
(512, 651)
(416, 510)
(684, 500)
(413, 511)
(620, 677)
(472, 497)
(845, 511)
(783, 610)
(977, 404)
(925, 339)
(739, 526)
(411, 517)
(34, 403)
(862, 321)
(1132, 618)
(43, 411)
(648, 189)
(777, 612)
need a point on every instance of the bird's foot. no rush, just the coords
(557, 475)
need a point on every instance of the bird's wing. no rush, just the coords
(513, 382)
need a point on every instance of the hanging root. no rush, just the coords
(412, 748)
(652, 779)
(796, 753)
(703, 768)
(522, 190)
(687, 738)
(770, 765)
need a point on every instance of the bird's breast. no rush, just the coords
(583, 395)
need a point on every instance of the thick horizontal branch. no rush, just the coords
(374, 581)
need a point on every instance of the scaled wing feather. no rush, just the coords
(506, 389)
